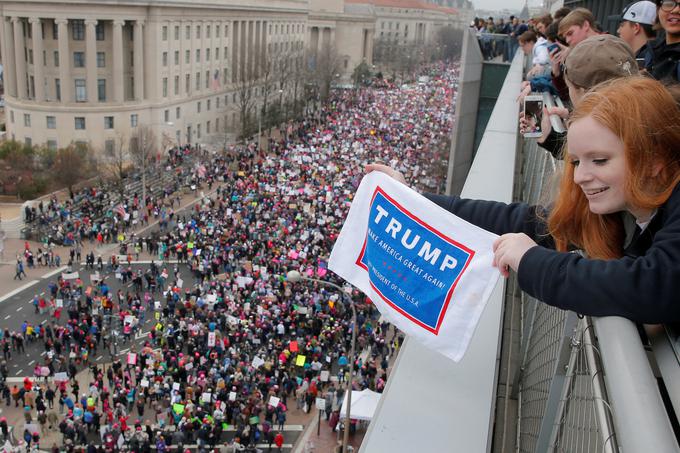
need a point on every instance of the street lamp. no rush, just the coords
(295, 276)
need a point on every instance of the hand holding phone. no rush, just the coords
(533, 115)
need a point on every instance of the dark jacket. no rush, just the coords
(642, 286)
(662, 60)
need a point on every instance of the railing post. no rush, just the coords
(641, 421)
(565, 358)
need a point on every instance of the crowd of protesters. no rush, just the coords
(234, 346)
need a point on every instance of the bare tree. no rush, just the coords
(114, 165)
(450, 40)
(245, 101)
(266, 69)
(71, 164)
(142, 148)
(327, 67)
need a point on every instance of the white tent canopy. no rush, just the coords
(364, 404)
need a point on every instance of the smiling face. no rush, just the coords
(599, 161)
(670, 21)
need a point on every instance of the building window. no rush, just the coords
(176, 85)
(78, 29)
(198, 32)
(207, 105)
(207, 79)
(109, 147)
(217, 105)
(187, 32)
(108, 122)
(11, 116)
(198, 81)
(207, 54)
(44, 58)
(165, 87)
(226, 31)
(56, 58)
(207, 127)
(176, 57)
(80, 122)
(133, 120)
(78, 59)
(81, 90)
(217, 53)
(217, 124)
(225, 52)
(178, 112)
(101, 59)
(187, 83)
(165, 32)
(165, 58)
(57, 89)
(52, 145)
(51, 122)
(226, 100)
(166, 116)
(207, 31)
(28, 142)
(27, 119)
(198, 107)
(176, 32)
(99, 31)
(198, 131)
(198, 55)
(55, 31)
(101, 90)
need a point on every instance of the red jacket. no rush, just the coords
(278, 440)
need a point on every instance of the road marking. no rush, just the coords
(20, 371)
(43, 322)
(31, 362)
(98, 358)
(42, 293)
(20, 308)
(8, 316)
(55, 272)
(43, 353)
(18, 290)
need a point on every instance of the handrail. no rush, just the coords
(641, 421)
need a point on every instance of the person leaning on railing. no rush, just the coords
(591, 62)
(619, 203)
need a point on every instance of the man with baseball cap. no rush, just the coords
(636, 26)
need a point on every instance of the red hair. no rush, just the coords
(644, 115)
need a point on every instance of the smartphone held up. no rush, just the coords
(533, 114)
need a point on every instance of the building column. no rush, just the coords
(256, 49)
(118, 86)
(139, 60)
(8, 57)
(91, 59)
(64, 61)
(38, 75)
(19, 57)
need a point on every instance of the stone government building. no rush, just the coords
(92, 71)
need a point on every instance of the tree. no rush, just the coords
(327, 67)
(142, 147)
(266, 68)
(449, 39)
(114, 165)
(361, 74)
(71, 164)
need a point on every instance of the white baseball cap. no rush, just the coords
(643, 12)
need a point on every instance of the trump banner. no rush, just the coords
(427, 271)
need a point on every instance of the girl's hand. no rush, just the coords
(508, 251)
(389, 171)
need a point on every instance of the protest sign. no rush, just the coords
(175, 386)
(206, 397)
(232, 396)
(324, 376)
(274, 401)
(426, 270)
(132, 358)
(69, 275)
(293, 347)
(60, 377)
(211, 339)
(178, 408)
(300, 360)
(144, 383)
(320, 404)
(257, 362)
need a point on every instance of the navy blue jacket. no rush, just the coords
(643, 286)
